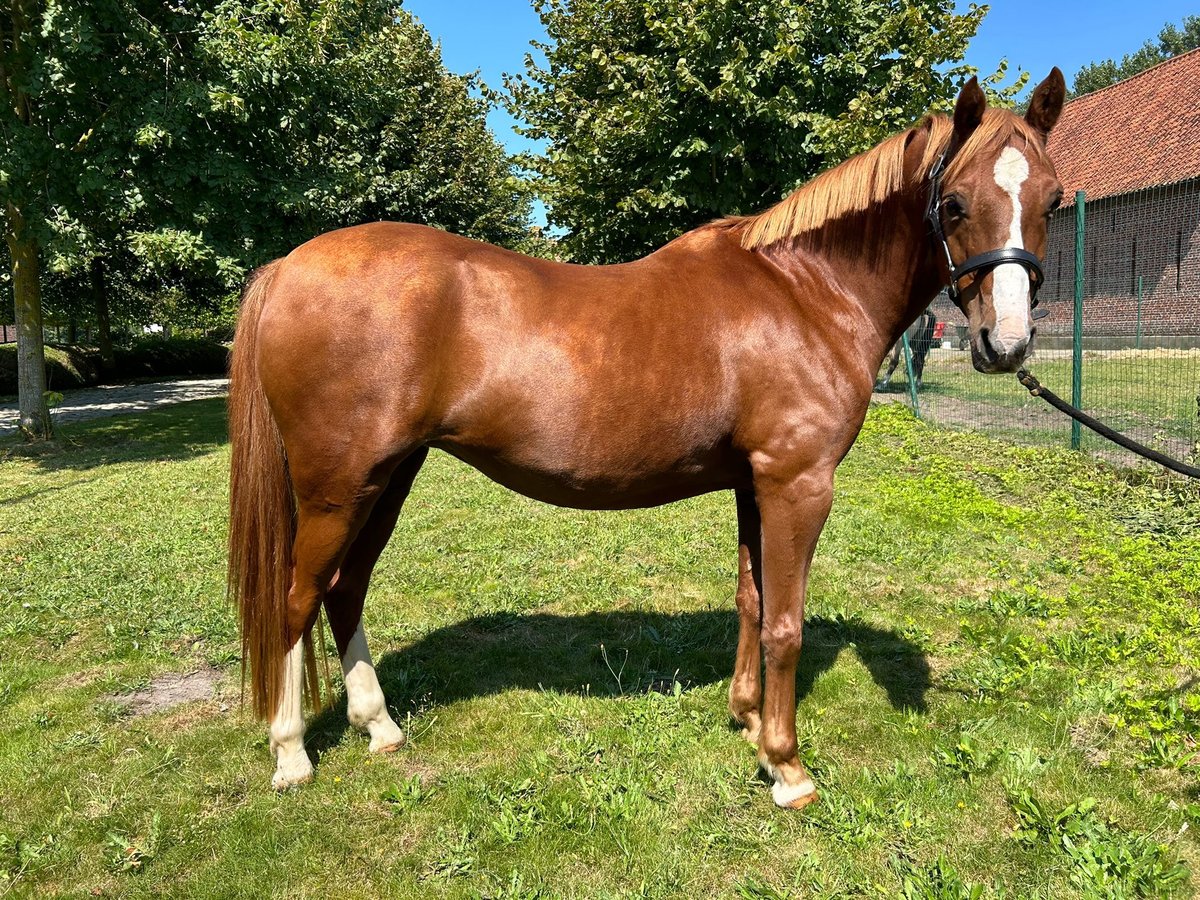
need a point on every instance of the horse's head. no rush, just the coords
(995, 190)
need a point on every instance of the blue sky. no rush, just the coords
(493, 36)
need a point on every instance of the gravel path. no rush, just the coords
(98, 402)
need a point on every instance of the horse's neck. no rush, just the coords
(884, 262)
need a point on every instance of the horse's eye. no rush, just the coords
(1054, 205)
(954, 207)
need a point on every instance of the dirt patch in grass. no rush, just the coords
(171, 690)
(81, 679)
(1093, 737)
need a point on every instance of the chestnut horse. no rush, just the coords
(740, 356)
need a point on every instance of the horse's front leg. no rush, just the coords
(745, 690)
(793, 511)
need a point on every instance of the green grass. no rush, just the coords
(1152, 396)
(1129, 390)
(998, 688)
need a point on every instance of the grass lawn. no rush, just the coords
(1150, 392)
(1152, 396)
(999, 688)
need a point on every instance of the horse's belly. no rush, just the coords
(599, 436)
(615, 480)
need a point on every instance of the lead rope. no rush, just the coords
(1038, 390)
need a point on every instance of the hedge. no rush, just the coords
(147, 358)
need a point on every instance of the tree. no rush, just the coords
(68, 74)
(187, 142)
(329, 118)
(1171, 42)
(662, 114)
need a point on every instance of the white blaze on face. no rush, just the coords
(1010, 281)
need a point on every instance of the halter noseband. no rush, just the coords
(980, 261)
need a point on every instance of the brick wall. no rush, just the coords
(1154, 234)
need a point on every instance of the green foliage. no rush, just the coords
(130, 853)
(66, 367)
(1032, 633)
(456, 859)
(663, 114)
(937, 881)
(18, 857)
(404, 795)
(1105, 861)
(1171, 41)
(213, 137)
(152, 356)
(145, 357)
(337, 117)
(754, 888)
(965, 757)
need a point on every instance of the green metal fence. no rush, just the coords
(1122, 337)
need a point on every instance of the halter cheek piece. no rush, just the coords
(980, 261)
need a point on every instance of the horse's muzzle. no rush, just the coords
(991, 359)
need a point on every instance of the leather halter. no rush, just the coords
(987, 260)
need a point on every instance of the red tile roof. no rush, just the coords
(1138, 133)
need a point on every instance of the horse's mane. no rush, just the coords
(866, 181)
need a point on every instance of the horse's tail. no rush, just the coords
(262, 511)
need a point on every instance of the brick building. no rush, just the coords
(1134, 148)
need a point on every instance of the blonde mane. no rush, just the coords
(865, 181)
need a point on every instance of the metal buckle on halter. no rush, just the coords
(986, 260)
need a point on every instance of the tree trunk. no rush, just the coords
(100, 298)
(23, 247)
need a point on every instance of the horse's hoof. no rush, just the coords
(294, 772)
(799, 802)
(387, 737)
(378, 746)
(282, 782)
(793, 796)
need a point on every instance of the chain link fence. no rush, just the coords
(1134, 349)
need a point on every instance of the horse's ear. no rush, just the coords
(968, 111)
(1046, 104)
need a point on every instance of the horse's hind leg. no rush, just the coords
(745, 690)
(365, 705)
(323, 533)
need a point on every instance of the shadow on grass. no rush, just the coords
(182, 431)
(612, 654)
